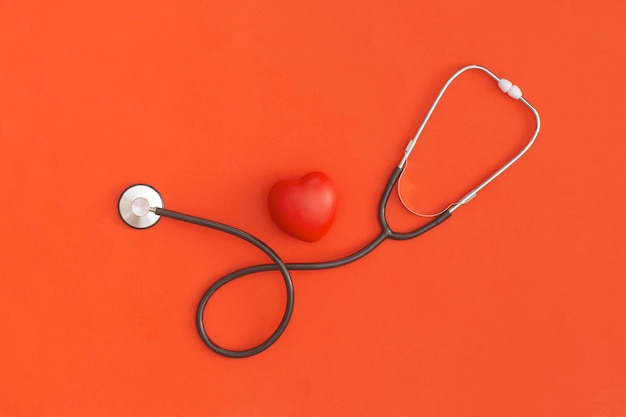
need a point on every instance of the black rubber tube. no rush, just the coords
(277, 265)
(284, 268)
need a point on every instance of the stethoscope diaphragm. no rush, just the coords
(136, 206)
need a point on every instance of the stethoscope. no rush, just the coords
(141, 206)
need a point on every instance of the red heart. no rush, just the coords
(304, 208)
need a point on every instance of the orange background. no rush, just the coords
(514, 307)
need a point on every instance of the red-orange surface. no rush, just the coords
(514, 307)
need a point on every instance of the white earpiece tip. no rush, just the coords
(505, 85)
(515, 92)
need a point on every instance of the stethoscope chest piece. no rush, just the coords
(136, 206)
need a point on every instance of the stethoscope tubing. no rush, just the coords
(279, 265)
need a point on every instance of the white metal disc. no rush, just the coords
(135, 204)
